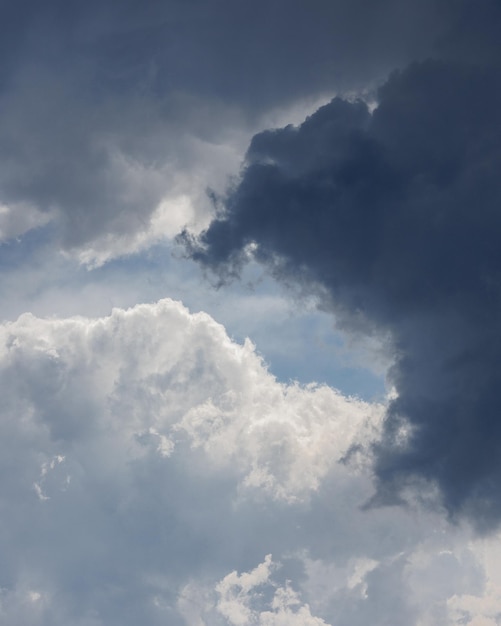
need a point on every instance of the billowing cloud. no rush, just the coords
(132, 447)
(391, 219)
(153, 471)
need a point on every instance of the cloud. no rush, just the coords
(236, 593)
(238, 598)
(111, 113)
(130, 443)
(113, 176)
(389, 218)
(149, 465)
(152, 469)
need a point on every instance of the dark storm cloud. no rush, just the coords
(83, 82)
(262, 51)
(394, 219)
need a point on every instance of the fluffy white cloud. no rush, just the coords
(130, 445)
(238, 591)
(148, 464)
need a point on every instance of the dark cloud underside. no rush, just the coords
(395, 217)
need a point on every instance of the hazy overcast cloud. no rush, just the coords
(153, 470)
(115, 116)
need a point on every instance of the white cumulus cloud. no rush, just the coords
(149, 464)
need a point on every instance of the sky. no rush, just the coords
(250, 337)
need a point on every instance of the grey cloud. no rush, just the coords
(392, 219)
(257, 54)
(87, 86)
